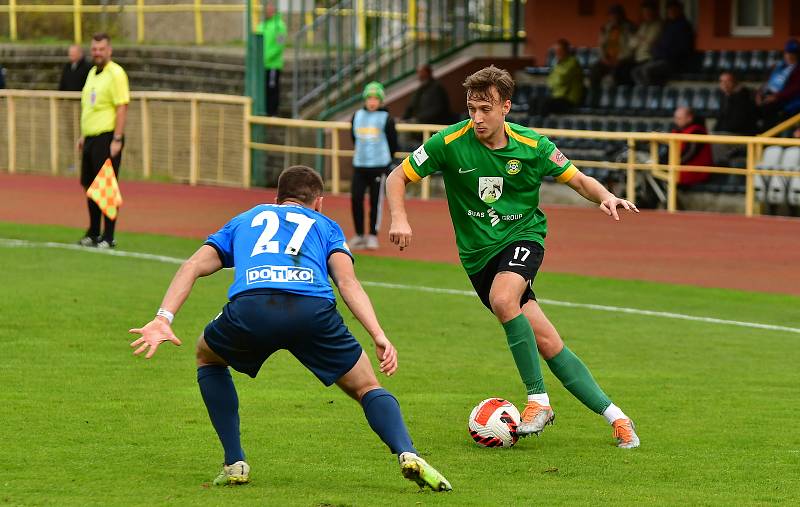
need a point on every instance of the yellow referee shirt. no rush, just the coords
(101, 95)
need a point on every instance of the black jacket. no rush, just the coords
(430, 104)
(737, 113)
(72, 80)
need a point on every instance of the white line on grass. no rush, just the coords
(20, 243)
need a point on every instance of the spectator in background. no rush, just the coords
(2, 78)
(430, 103)
(737, 115)
(614, 45)
(375, 143)
(692, 153)
(779, 97)
(273, 31)
(565, 82)
(673, 49)
(641, 43)
(73, 76)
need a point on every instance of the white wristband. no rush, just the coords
(166, 314)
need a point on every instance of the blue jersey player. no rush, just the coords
(281, 298)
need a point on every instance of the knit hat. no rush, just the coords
(374, 89)
(792, 46)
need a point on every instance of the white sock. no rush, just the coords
(541, 399)
(612, 413)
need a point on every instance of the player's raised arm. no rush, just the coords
(203, 262)
(399, 229)
(340, 267)
(592, 190)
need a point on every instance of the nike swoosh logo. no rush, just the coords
(515, 264)
(462, 171)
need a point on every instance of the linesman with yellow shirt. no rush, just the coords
(104, 108)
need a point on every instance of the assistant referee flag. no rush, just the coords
(104, 190)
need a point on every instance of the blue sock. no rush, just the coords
(219, 395)
(385, 419)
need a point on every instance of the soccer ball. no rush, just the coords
(493, 423)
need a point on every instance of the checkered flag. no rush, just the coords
(104, 190)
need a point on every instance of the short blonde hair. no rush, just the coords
(479, 85)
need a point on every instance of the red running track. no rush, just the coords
(704, 249)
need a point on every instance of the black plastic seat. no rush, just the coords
(714, 100)
(636, 106)
(622, 98)
(725, 60)
(700, 100)
(741, 62)
(758, 64)
(708, 67)
(605, 102)
(652, 103)
(685, 96)
(582, 55)
(669, 101)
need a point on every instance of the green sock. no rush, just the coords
(523, 347)
(575, 376)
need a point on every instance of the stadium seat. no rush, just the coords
(773, 57)
(669, 100)
(700, 100)
(709, 65)
(791, 162)
(622, 98)
(771, 159)
(684, 98)
(652, 103)
(724, 61)
(758, 64)
(714, 101)
(594, 56)
(520, 99)
(636, 106)
(606, 100)
(741, 63)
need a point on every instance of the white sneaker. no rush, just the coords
(237, 473)
(534, 418)
(357, 242)
(372, 242)
(418, 470)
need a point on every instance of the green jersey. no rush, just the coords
(274, 32)
(493, 195)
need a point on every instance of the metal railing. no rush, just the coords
(184, 137)
(206, 138)
(330, 133)
(357, 41)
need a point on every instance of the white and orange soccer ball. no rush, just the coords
(494, 422)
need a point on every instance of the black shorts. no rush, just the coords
(521, 257)
(255, 324)
(96, 150)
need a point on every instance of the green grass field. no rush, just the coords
(83, 422)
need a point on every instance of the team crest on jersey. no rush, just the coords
(490, 188)
(513, 166)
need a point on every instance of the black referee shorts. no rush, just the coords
(521, 257)
(96, 150)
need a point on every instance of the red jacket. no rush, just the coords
(694, 154)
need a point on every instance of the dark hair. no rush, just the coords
(731, 74)
(564, 43)
(300, 183)
(101, 36)
(479, 85)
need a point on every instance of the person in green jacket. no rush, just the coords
(273, 30)
(565, 82)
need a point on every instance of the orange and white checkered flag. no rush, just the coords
(104, 190)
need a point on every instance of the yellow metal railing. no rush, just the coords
(668, 172)
(205, 138)
(189, 137)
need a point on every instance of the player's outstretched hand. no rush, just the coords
(153, 333)
(387, 355)
(610, 205)
(400, 233)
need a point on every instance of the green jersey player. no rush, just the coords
(492, 173)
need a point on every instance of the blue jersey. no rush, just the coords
(283, 247)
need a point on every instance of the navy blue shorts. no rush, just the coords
(255, 324)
